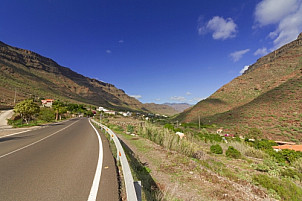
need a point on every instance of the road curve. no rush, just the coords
(57, 162)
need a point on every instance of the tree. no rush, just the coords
(27, 109)
(60, 108)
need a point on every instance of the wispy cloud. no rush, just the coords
(244, 69)
(219, 27)
(121, 41)
(136, 96)
(108, 51)
(188, 93)
(178, 98)
(285, 14)
(261, 52)
(236, 56)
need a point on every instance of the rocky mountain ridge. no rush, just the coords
(31, 74)
(270, 90)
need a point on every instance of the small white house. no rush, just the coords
(47, 102)
(102, 109)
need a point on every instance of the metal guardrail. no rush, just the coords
(132, 190)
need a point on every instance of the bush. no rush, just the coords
(233, 153)
(286, 189)
(216, 149)
(298, 165)
(47, 115)
(211, 137)
(291, 174)
(264, 144)
(130, 129)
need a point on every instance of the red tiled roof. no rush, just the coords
(291, 147)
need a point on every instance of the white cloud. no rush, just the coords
(178, 98)
(286, 14)
(261, 51)
(244, 69)
(108, 51)
(221, 28)
(121, 41)
(188, 93)
(236, 56)
(157, 99)
(136, 96)
(272, 11)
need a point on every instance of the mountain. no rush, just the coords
(267, 96)
(169, 109)
(160, 109)
(179, 107)
(33, 75)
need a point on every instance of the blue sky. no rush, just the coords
(156, 50)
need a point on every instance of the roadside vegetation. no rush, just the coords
(30, 113)
(253, 164)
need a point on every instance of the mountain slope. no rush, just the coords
(160, 109)
(271, 86)
(179, 107)
(31, 74)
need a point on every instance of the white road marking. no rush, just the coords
(15, 133)
(32, 129)
(36, 141)
(97, 177)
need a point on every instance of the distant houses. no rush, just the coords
(47, 102)
(111, 112)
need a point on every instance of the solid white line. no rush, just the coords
(15, 133)
(97, 177)
(32, 129)
(37, 141)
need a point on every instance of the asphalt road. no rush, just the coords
(58, 162)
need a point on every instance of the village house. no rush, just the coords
(102, 109)
(290, 147)
(47, 102)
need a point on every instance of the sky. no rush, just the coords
(155, 50)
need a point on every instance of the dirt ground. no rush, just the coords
(183, 178)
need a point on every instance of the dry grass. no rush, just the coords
(245, 149)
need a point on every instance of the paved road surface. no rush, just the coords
(57, 162)
(5, 114)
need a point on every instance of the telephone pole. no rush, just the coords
(15, 96)
(199, 121)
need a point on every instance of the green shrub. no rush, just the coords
(286, 189)
(47, 114)
(264, 144)
(291, 174)
(298, 165)
(130, 129)
(211, 137)
(216, 149)
(233, 153)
